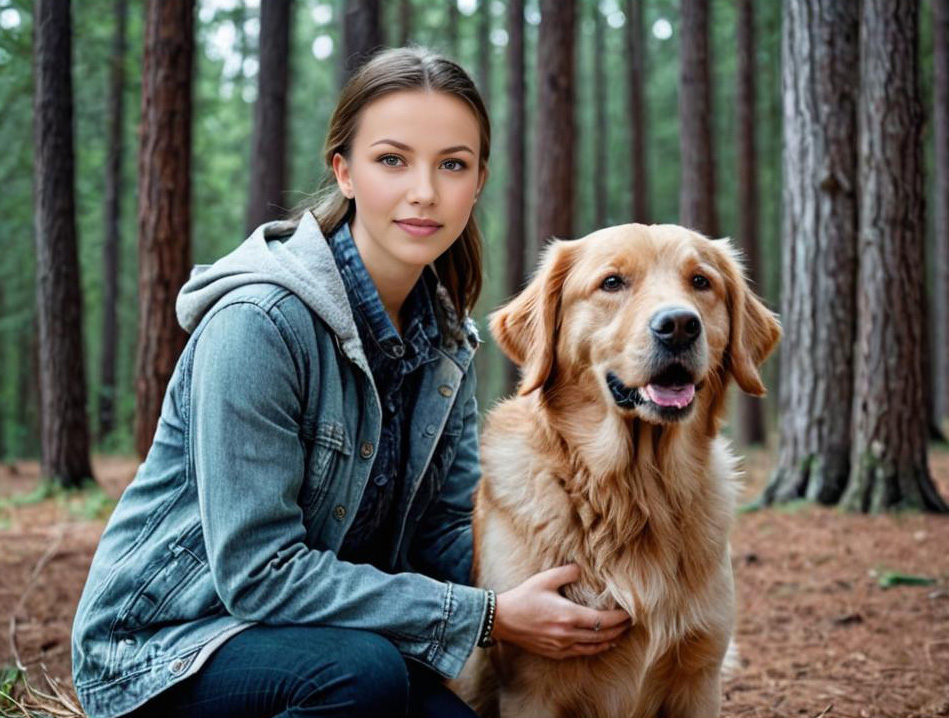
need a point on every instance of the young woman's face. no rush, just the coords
(413, 171)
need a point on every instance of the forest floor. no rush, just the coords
(819, 632)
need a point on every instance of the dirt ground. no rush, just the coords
(817, 633)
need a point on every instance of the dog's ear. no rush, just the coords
(755, 329)
(526, 327)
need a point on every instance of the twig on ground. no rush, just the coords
(828, 709)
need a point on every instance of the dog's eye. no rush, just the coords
(701, 282)
(612, 283)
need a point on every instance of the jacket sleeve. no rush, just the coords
(442, 546)
(249, 375)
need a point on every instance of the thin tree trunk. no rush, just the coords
(362, 35)
(113, 214)
(516, 238)
(405, 22)
(452, 29)
(65, 433)
(636, 59)
(820, 80)
(697, 187)
(749, 426)
(940, 302)
(484, 50)
(888, 459)
(268, 161)
(601, 135)
(164, 203)
(555, 120)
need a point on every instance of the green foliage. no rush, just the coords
(889, 579)
(87, 502)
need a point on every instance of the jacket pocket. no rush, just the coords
(155, 600)
(329, 444)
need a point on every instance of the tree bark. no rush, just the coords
(164, 238)
(697, 187)
(636, 67)
(113, 216)
(554, 148)
(820, 80)
(362, 35)
(940, 300)
(452, 29)
(749, 427)
(888, 458)
(65, 433)
(516, 245)
(601, 134)
(405, 22)
(268, 161)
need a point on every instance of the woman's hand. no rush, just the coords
(537, 618)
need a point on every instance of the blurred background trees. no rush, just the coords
(604, 111)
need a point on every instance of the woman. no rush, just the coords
(301, 524)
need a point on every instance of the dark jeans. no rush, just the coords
(279, 672)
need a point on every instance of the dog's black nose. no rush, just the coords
(676, 328)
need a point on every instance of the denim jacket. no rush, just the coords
(266, 439)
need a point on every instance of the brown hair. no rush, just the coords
(410, 68)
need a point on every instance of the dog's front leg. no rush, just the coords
(698, 695)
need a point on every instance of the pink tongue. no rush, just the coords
(677, 396)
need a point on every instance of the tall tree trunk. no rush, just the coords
(113, 207)
(749, 426)
(940, 301)
(697, 186)
(888, 459)
(516, 239)
(405, 22)
(164, 236)
(484, 50)
(268, 161)
(362, 35)
(601, 135)
(451, 30)
(636, 59)
(65, 432)
(555, 119)
(820, 80)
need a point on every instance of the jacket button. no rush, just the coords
(339, 513)
(177, 666)
(430, 430)
(445, 390)
(365, 451)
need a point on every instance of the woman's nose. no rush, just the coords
(422, 190)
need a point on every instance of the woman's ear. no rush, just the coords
(526, 328)
(755, 329)
(343, 179)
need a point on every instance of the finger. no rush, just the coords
(554, 578)
(581, 635)
(606, 619)
(587, 649)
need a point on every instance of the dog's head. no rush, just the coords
(653, 315)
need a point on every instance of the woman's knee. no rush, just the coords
(367, 677)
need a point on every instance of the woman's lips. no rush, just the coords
(418, 230)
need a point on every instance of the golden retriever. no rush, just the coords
(608, 457)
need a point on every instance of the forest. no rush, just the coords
(142, 138)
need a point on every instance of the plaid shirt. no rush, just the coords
(393, 361)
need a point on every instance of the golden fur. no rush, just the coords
(642, 504)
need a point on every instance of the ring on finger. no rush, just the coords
(598, 625)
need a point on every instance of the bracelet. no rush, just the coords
(486, 640)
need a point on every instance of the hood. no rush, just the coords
(296, 256)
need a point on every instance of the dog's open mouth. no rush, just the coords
(671, 391)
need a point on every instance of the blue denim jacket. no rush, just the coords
(267, 435)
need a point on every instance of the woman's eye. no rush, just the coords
(701, 282)
(454, 165)
(391, 160)
(612, 283)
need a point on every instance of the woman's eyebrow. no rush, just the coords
(406, 148)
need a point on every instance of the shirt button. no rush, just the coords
(398, 350)
(445, 390)
(381, 480)
(339, 513)
(430, 430)
(365, 451)
(177, 666)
